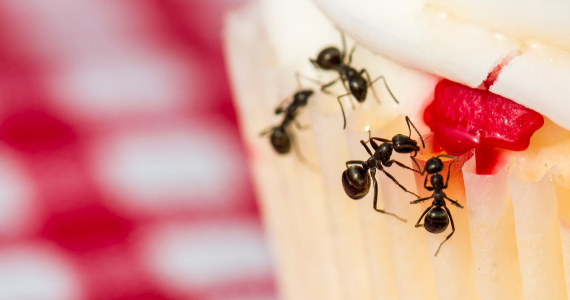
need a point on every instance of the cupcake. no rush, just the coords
(479, 80)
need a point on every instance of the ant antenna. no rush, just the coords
(352, 52)
(418, 165)
(297, 77)
(266, 131)
(387, 87)
(410, 131)
(302, 158)
(301, 75)
(448, 156)
(343, 43)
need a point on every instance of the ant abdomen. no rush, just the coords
(280, 141)
(356, 182)
(436, 220)
(329, 59)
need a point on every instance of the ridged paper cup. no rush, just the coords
(512, 238)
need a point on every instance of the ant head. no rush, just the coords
(356, 182)
(436, 220)
(384, 152)
(358, 87)
(302, 97)
(329, 59)
(434, 165)
(404, 140)
(280, 140)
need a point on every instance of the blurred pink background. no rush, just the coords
(122, 174)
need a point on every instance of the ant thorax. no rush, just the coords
(373, 163)
(384, 152)
(437, 181)
(289, 117)
(347, 72)
(439, 198)
(290, 111)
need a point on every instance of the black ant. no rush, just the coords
(281, 138)
(437, 216)
(332, 59)
(401, 143)
(355, 179)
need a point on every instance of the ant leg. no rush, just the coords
(301, 127)
(381, 140)
(420, 200)
(374, 145)
(314, 62)
(365, 146)
(363, 71)
(281, 106)
(348, 92)
(452, 230)
(373, 174)
(422, 216)
(369, 136)
(387, 88)
(343, 54)
(448, 173)
(371, 141)
(298, 77)
(422, 172)
(390, 162)
(266, 131)
(351, 52)
(454, 202)
(410, 132)
(342, 109)
(324, 87)
(396, 181)
(429, 188)
(355, 162)
(302, 158)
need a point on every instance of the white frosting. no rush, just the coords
(539, 79)
(298, 30)
(464, 40)
(547, 21)
(417, 36)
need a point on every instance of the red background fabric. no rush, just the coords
(122, 174)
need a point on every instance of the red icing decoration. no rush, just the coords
(463, 118)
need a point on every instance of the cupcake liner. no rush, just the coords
(509, 243)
